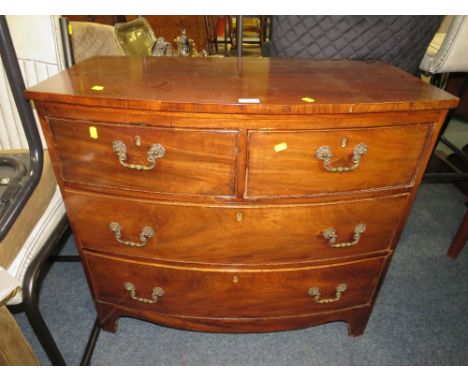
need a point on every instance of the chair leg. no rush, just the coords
(93, 337)
(31, 294)
(460, 239)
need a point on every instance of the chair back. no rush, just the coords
(93, 39)
(448, 50)
(398, 40)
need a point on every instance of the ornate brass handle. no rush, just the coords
(315, 293)
(324, 154)
(157, 292)
(146, 233)
(156, 151)
(331, 236)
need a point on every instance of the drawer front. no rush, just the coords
(151, 159)
(286, 163)
(236, 234)
(228, 293)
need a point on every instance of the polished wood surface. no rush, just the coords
(285, 163)
(196, 291)
(235, 234)
(355, 317)
(195, 162)
(239, 203)
(217, 84)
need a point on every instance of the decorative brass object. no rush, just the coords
(156, 151)
(145, 234)
(157, 292)
(331, 236)
(184, 44)
(315, 293)
(161, 48)
(239, 216)
(324, 154)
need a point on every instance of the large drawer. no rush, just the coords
(186, 161)
(288, 164)
(240, 234)
(231, 293)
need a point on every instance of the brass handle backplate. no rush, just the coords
(156, 293)
(324, 154)
(145, 234)
(315, 293)
(156, 151)
(331, 235)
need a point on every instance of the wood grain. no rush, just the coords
(195, 292)
(391, 160)
(195, 162)
(240, 234)
(238, 225)
(216, 85)
(356, 318)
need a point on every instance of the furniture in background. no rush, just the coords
(457, 83)
(398, 40)
(211, 25)
(251, 210)
(91, 39)
(167, 26)
(446, 54)
(256, 30)
(170, 27)
(204, 30)
(42, 222)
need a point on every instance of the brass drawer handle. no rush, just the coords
(331, 236)
(315, 293)
(156, 151)
(157, 292)
(146, 233)
(324, 154)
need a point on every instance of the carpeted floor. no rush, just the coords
(420, 317)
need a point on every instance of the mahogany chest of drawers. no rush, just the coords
(237, 196)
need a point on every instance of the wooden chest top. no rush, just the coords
(267, 86)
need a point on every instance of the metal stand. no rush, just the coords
(66, 42)
(31, 287)
(240, 30)
(88, 353)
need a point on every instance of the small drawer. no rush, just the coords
(232, 293)
(142, 158)
(331, 161)
(242, 234)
